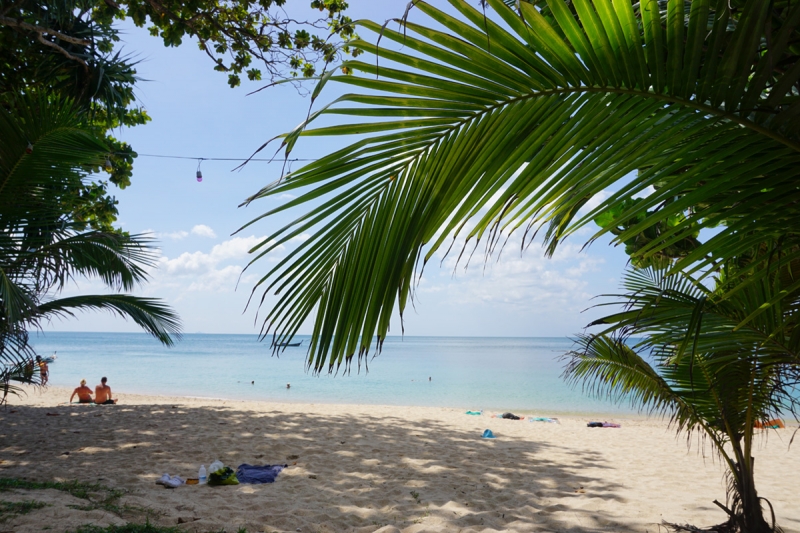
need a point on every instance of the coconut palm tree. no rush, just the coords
(485, 123)
(49, 235)
(677, 350)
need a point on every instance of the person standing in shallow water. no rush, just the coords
(44, 372)
(102, 393)
(84, 393)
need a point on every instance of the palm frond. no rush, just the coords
(45, 157)
(607, 368)
(150, 314)
(118, 259)
(485, 127)
(695, 337)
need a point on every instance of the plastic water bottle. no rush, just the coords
(201, 475)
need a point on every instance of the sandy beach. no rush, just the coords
(367, 468)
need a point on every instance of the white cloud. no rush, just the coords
(593, 202)
(173, 235)
(528, 281)
(211, 271)
(204, 231)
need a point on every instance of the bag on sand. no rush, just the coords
(223, 476)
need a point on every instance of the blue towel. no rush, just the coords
(258, 474)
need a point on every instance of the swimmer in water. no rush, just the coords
(288, 386)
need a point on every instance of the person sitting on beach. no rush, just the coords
(102, 393)
(27, 371)
(84, 393)
(43, 370)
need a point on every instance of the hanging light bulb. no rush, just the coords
(108, 165)
(199, 173)
(29, 148)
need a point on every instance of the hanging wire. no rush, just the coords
(271, 160)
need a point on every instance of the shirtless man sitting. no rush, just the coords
(102, 393)
(84, 393)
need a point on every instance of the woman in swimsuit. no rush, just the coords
(84, 393)
(43, 370)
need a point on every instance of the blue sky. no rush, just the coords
(196, 114)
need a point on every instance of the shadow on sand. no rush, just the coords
(352, 473)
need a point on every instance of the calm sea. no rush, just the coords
(494, 374)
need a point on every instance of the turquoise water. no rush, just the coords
(494, 374)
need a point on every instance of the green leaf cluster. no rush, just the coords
(235, 33)
(609, 220)
(53, 231)
(66, 49)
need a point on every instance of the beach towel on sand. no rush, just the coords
(258, 474)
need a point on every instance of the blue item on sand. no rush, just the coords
(474, 412)
(258, 474)
(488, 434)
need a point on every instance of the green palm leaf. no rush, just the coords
(514, 125)
(153, 316)
(46, 154)
(678, 350)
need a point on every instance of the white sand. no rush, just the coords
(367, 468)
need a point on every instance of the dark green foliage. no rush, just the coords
(80, 36)
(65, 49)
(137, 528)
(127, 528)
(92, 492)
(50, 234)
(610, 221)
(9, 509)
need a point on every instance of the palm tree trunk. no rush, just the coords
(748, 514)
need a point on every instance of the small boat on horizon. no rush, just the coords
(286, 344)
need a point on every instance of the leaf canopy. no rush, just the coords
(46, 154)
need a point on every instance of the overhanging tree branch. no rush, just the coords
(14, 23)
(41, 31)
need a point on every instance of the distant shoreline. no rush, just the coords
(301, 335)
(471, 373)
(165, 397)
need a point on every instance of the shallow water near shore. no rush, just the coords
(493, 374)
